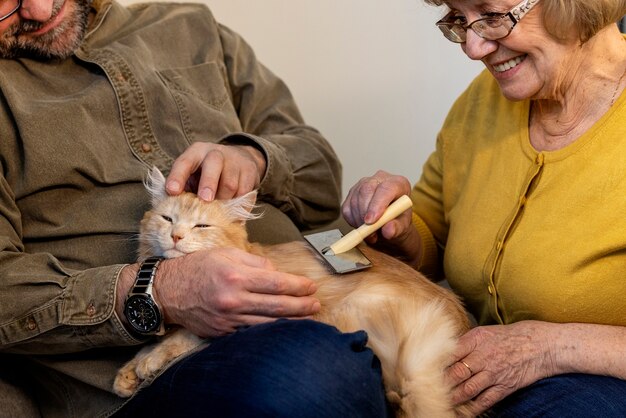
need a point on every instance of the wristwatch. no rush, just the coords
(141, 310)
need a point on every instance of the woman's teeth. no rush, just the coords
(509, 64)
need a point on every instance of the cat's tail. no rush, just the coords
(414, 340)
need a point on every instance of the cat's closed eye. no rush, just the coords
(167, 218)
(202, 226)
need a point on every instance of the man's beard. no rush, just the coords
(58, 43)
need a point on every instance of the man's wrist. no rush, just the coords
(251, 146)
(125, 282)
(259, 157)
(141, 309)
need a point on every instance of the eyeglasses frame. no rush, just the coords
(12, 12)
(515, 15)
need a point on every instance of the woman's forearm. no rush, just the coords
(590, 349)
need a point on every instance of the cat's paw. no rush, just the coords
(149, 366)
(126, 382)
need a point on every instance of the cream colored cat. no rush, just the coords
(412, 323)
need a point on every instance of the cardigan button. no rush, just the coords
(539, 159)
(145, 147)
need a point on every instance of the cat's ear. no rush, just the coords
(241, 207)
(155, 184)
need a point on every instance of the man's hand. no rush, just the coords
(214, 292)
(215, 171)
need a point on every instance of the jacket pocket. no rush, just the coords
(203, 100)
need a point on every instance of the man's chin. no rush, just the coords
(35, 54)
(44, 48)
(60, 43)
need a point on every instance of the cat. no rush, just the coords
(412, 323)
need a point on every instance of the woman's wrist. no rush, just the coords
(408, 248)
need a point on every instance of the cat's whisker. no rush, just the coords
(130, 236)
(152, 238)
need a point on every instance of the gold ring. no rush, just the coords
(468, 367)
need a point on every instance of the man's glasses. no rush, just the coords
(493, 27)
(8, 7)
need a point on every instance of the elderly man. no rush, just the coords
(94, 93)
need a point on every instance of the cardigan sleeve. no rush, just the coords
(428, 213)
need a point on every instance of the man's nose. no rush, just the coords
(38, 10)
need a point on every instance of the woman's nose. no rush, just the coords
(477, 48)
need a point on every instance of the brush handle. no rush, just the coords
(356, 236)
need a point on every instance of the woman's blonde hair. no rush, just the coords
(584, 17)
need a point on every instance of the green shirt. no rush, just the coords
(527, 234)
(77, 138)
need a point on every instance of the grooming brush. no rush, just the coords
(340, 252)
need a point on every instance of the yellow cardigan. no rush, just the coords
(526, 234)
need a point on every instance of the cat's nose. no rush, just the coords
(176, 238)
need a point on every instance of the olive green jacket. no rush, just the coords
(76, 139)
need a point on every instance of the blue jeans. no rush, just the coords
(566, 396)
(287, 368)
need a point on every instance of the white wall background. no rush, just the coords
(376, 77)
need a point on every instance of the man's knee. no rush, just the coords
(297, 348)
(281, 369)
(290, 366)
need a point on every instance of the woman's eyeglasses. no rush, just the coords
(492, 27)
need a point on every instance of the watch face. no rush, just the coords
(142, 314)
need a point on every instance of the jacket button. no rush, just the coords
(145, 147)
(91, 310)
(31, 324)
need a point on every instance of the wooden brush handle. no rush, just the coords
(356, 236)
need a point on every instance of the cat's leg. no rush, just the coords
(126, 381)
(170, 347)
(151, 359)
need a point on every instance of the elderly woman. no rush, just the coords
(522, 207)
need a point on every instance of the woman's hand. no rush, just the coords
(366, 202)
(492, 362)
(216, 171)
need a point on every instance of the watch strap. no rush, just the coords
(143, 285)
(145, 275)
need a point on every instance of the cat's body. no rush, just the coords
(411, 322)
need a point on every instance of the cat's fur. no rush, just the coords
(411, 322)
